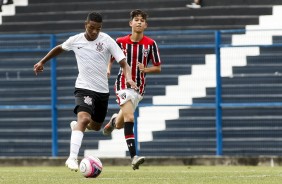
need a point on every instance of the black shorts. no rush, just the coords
(92, 102)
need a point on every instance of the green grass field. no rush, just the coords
(145, 175)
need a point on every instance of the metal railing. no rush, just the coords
(218, 105)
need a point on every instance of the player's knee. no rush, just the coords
(85, 120)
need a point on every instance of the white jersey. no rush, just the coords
(92, 60)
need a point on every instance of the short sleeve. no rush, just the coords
(155, 55)
(67, 45)
(115, 50)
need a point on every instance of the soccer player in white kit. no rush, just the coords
(93, 50)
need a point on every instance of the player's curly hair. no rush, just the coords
(138, 12)
(94, 16)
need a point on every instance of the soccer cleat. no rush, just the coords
(109, 126)
(137, 161)
(72, 164)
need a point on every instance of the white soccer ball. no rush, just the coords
(90, 167)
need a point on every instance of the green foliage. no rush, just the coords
(146, 175)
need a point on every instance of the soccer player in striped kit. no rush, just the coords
(139, 50)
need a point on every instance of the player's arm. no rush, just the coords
(127, 73)
(109, 69)
(152, 69)
(38, 67)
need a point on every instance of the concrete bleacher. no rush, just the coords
(53, 16)
(186, 131)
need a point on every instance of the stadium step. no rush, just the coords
(165, 15)
(246, 131)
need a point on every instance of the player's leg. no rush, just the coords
(83, 119)
(119, 121)
(128, 100)
(128, 113)
(91, 107)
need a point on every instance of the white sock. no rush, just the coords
(75, 143)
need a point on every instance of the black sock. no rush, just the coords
(129, 137)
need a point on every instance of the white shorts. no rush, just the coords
(128, 94)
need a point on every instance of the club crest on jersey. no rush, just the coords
(100, 47)
(123, 96)
(145, 52)
(88, 100)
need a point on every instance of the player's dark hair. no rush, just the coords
(94, 16)
(138, 12)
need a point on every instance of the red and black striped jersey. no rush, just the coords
(144, 51)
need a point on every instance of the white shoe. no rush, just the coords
(193, 5)
(73, 124)
(137, 161)
(72, 164)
